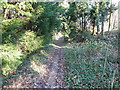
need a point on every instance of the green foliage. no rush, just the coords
(17, 40)
(29, 41)
(10, 56)
(88, 65)
(49, 19)
(28, 26)
(81, 16)
(12, 29)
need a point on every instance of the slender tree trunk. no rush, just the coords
(103, 20)
(109, 25)
(82, 24)
(109, 22)
(102, 27)
(114, 22)
(93, 29)
(98, 29)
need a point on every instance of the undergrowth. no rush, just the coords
(12, 54)
(31, 68)
(91, 65)
(17, 43)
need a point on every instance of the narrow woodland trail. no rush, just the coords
(54, 77)
(56, 71)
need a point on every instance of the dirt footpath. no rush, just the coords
(54, 77)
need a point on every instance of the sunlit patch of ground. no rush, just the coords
(55, 46)
(43, 52)
(30, 71)
(41, 69)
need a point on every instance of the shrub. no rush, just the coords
(12, 53)
(12, 29)
(10, 56)
(29, 41)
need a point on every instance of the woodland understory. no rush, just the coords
(59, 44)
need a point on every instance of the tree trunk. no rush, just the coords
(109, 22)
(98, 29)
(110, 17)
(114, 22)
(93, 29)
(82, 23)
(102, 27)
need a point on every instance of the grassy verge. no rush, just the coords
(91, 65)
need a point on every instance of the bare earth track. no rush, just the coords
(54, 77)
(56, 69)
